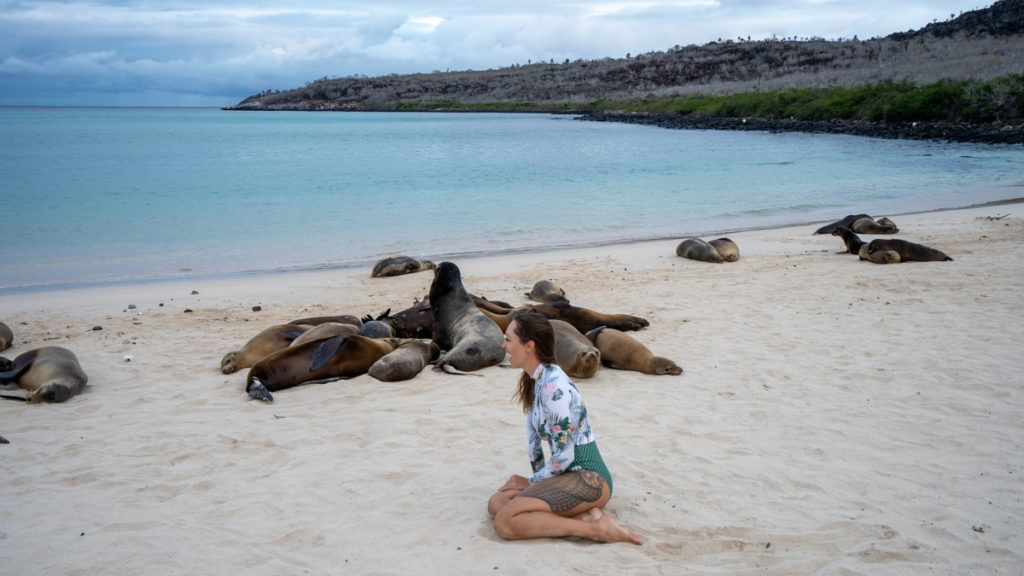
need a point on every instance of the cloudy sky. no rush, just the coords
(214, 53)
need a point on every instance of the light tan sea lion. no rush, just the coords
(49, 374)
(405, 361)
(574, 352)
(879, 256)
(546, 292)
(318, 320)
(584, 319)
(908, 251)
(502, 320)
(325, 330)
(623, 352)
(273, 339)
(399, 265)
(727, 249)
(869, 226)
(697, 249)
(335, 357)
(6, 336)
(468, 339)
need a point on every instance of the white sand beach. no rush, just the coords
(834, 417)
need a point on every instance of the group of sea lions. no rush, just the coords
(716, 251)
(47, 374)
(879, 250)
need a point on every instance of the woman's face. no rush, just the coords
(519, 354)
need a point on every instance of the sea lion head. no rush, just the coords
(228, 363)
(5, 364)
(427, 265)
(891, 257)
(888, 224)
(661, 366)
(447, 277)
(53, 392)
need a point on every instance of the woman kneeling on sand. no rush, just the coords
(565, 496)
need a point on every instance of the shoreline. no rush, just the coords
(368, 264)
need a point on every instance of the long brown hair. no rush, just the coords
(533, 327)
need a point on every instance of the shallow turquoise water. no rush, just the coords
(95, 195)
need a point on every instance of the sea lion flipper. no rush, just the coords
(259, 392)
(384, 316)
(592, 335)
(325, 351)
(9, 397)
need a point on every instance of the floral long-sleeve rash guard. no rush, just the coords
(558, 416)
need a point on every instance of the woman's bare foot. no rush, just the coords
(608, 530)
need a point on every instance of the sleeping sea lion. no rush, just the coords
(887, 222)
(416, 321)
(399, 265)
(622, 351)
(845, 222)
(377, 329)
(879, 256)
(468, 339)
(852, 241)
(325, 330)
(318, 320)
(277, 337)
(697, 249)
(584, 319)
(727, 249)
(492, 305)
(869, 226)
(405, 361)
(908, 251)
(335, 357)
(49, 374)
(6, 336)
(574, 352)
(502, 320)
(546, 292)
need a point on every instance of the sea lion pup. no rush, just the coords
(622, 351)
(845, 222)
(377, 329)
(6, 336)
(869, 226)
(399, 265)
(584, 319)
(416, 321)
(318, 320)
(727, 249)
(468, 339)
(574, 352)
(908, 251)
(880, 256)
(546, 292)
(697, 249)
(405, 361)
(49, 374)
(335, 357)
(277, 337)
(325, 330)
(852, 241)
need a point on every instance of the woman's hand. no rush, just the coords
(515, 482)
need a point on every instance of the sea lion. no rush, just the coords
(502, 320)
(335, 357)
(727, 249)
(879, 256)
(49, 374)
(887, 222)
(869, 226)
(622, 351)
(325, 330)
(398, 265)
(852, 241)
(584, 319)
(405, 361)
(318, 320)
(546, 292)
(416, 321)
(574, 352)
(908, 251)
(277, 337)
(377, 329)
(6, 336)
(697, 249)
(468, 339)
(845, 222)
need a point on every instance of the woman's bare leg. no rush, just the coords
(499, 499)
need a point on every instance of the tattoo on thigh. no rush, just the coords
(567, 491)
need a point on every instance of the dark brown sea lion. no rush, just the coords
(416, 321)
(546, 292)
(845, 222)
(869, 226)
(399, 265)
(273, 339)
(325, 330)
(574, 352)
(49, 374)
(335, 357)
(405, 361)
(879, 256)
(318, 320)
(852, 241)
(727, 249)
(468, 339)
(6, 336)
(697, 249)
(584, 319)
(623, 352)
(908, 251)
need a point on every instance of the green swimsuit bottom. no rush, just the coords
(588, 457)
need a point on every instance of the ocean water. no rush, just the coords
(122, 194)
